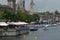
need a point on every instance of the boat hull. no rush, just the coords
(33, 29)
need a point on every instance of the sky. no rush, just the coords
(40, 5)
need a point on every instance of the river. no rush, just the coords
(53, 33)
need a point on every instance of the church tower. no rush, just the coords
(11, 3)
(22, 5)
(32, 7)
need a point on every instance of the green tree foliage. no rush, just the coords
(27, 17)
(1, 15)
(7, 14)
(24, 17)
(10, 16)
(56, 12)
(35, 17)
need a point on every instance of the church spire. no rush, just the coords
(32, 7)
(11, 3)
(22, 5)
(32, 2)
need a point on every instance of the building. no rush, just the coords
(21, 6)
(3, 7)
(17, 7)
(45, 18)
(11, 3)
(32, 7)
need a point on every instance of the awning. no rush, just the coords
(3, 24)
(17, 23)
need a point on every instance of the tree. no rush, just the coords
(57, 13)
(35, 18)
(8, 14)
(1, 15)
(24, 17)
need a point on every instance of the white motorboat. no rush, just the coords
(54, 24)
(46, 27)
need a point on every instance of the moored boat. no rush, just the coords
(13, 29)
(33, 29)
(45, 27)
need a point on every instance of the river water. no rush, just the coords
(53, 33)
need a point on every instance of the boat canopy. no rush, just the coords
(17, 23)
(3, 24)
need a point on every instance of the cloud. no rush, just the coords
(3, 1)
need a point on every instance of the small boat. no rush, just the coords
(37, 26)
(33, 29)
(54, 24)
(45, 27)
